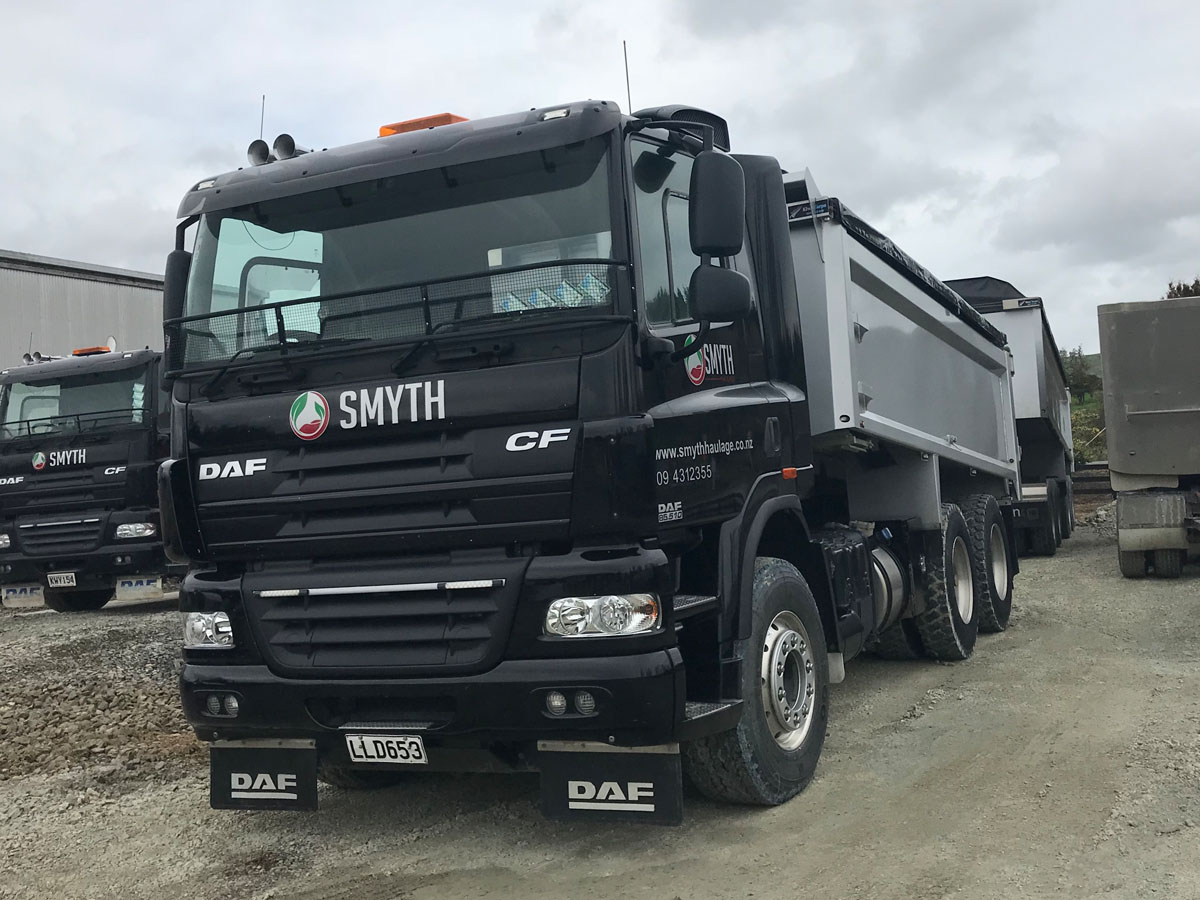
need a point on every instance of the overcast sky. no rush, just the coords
(1052, 144)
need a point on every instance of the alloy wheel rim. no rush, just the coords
(964, 587)
(999, 556)
(788, 680)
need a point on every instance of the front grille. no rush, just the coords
(437, 628)
(60, 536)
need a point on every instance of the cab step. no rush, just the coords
(702, 717)
(692, 604)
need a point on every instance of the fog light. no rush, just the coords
(556, 703)
(610, 614)
(585, 703)
(136, 530)
(231, 705)
(207, 631)
(213, 705)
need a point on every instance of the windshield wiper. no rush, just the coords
(283, 346)
(460, 326)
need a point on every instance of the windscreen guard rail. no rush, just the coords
(95, 420)
(395, 314)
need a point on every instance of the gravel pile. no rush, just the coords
(103, 698)
(1102, 520)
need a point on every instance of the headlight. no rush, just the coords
(136, 530)
(5, 543)
(612, 614)
(207, 631)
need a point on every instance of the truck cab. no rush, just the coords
(81, 441)
(491, 449)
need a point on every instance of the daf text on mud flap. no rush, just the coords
(611, 795)
(263, 786)
(418, 401)
(232, 469)
(529, 440)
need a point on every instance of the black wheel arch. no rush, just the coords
(772, 524)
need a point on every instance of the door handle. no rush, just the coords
(773, 445)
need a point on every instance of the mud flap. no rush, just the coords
(265, 774)
(602, 783)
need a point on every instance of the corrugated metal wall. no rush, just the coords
(52, 311)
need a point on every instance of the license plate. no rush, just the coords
(393, 749)
(139, 588)
(61, 579)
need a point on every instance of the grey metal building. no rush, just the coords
(55, 305)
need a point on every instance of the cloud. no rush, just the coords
(1048, 143)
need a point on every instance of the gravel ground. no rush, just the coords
(1062, 760)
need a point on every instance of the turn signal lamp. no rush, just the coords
(417, 124)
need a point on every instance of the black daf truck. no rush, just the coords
(495, 447)
(82, 440)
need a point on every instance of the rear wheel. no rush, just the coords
(990, 568)
(1132, 563)
(356, 779)
(900, 641)
(1045, 538)
(1068, 509)
(76, 601)
(950, 623)
(1167, 563)
(772, 753)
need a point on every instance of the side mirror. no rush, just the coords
(719, 295)
(175, 278)
(717, 206)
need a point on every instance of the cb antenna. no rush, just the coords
(628, 93)
(262, 116)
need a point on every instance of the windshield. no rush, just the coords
(387, 260)
(75, 404)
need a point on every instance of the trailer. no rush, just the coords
(1045, 517)
(1152, 417)
(608, 475)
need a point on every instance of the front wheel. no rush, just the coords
(772, 753)
(76, 601)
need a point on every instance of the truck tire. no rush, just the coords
(1068, 509)
(76, 601)
(356, 779)
(1132, 563)
(1167, 563)
(950, 622)
(1045, 538)
(901, 641)
(771, 754)
(991, 570)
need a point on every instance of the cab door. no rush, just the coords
(715, 427)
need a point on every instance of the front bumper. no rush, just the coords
(639, 700)
(94, 569)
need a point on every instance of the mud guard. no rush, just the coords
(585, 781)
